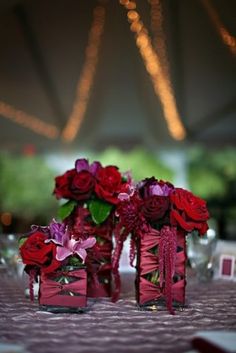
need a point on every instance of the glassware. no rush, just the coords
(9, 254)
(151, 293)
(64, 291)
(200, 250)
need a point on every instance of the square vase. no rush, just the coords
(99, 263)
(64, 291)
(151, 291)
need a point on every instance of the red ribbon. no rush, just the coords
(50, 288)
(168, 261)
(148, 291)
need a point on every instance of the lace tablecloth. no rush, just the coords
(119, 327)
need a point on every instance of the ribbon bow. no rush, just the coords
(50, 288)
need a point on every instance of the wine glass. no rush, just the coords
(9, 254)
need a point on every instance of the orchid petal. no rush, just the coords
(81, 164)
(88, 243)
(65, 238)
(63, 253)
(123, 196)
(82, 254)
(57, 231)
(43, 229)
(53, 241)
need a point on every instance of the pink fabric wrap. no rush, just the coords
(53, 293)
(169, 261)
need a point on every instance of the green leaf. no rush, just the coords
(74, 261)
(22, 240)
(66, 209)
(99, 210)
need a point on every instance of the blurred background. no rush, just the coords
(148, 85)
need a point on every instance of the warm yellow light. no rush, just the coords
(6, 218)
(161, 82)
(87, 76)
(124, 2)
(227, 38)
(28, 121)
(142, 40)
(133, 15)
(136, 26)
(130, 5)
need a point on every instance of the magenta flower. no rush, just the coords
(72, 247)
(152, 187)
(57, 231)
(83, 164)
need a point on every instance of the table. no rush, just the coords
(116, 327)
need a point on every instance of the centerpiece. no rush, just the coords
(159, 216)
(56, 256)
(91, 191)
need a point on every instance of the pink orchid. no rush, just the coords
(125, 196)
(74, 247)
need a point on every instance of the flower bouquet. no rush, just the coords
(57, 256)
(158, 216)
(92, 193)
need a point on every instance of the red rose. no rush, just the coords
(188, 211)
(155, 207)
(35, 252)
(108, 184)
(63, 182)
(82, 185)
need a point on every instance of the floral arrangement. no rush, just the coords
(56, 255)
(93, 186)
(92, 192)
(45, 250)
(158, 216)
(74, 259)
(163, 204)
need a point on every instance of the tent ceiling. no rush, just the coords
(42, 53)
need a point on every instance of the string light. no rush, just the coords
(28, 121)
(159, 40)
(160, 81)
(227, 38)
(85, 82)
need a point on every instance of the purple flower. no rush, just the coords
(83, 164)
(152, 187)
(74, 247)
(159, 190)
(57, 232)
